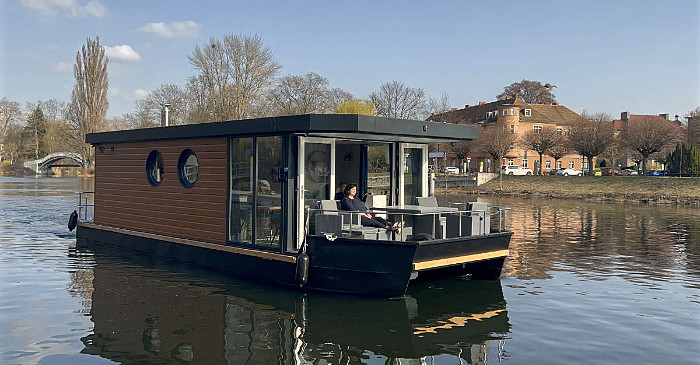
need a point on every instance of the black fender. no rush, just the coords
(73, 221)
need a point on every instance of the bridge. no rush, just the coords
(43, 165)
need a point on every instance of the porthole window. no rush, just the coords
(154, 168)
(188, 168)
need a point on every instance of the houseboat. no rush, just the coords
(256, 198)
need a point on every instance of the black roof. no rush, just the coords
(328, 125)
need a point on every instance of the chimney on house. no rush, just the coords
(664, 115)
(453, 109)
(624, 115)
(481, 103)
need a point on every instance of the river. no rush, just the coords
(585, 283)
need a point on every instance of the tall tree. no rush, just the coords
(530, 91)
(34, 132)
(356, 106)
(496, 142)
(233, 74)
(336, 97)
(10, 113)
(541, 141)
(693, 118)
(648, 135)
(300, 94)
(149, 109)
(396, 100)
(592, 136)
(89, 102)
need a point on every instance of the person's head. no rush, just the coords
(341, 187)
(350, 190)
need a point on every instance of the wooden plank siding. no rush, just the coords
(125, 199)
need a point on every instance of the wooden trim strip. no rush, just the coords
(432, 264)
(239, 250)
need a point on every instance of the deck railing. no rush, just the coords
(351, 223)
(86, 206)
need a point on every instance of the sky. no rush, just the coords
(603, 56)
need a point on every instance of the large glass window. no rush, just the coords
(268, 209)
(241, 159)
(412, 173)
(379, 170)
(154, 168)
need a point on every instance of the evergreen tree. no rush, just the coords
(690, 154)
(34, 133)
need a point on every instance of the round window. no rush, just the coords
(154, 168)
(188, 168)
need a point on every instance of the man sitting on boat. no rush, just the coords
(353, 204)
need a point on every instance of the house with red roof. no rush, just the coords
(517, 116)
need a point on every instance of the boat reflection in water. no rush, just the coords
(146, 313)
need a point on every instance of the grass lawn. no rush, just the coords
(620, 188)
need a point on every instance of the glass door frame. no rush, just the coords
(301, 166)
(402, 169)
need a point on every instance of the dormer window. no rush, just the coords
(528, 112)
(505, 111)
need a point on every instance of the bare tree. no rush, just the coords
(693, 125)
(89, 102)
(462, 149)
(558, 151)
(148, 110)
(233, 74)
(648, 135)
(496, 142)
(530, 91)
(336, 97)
(592, 137)
(300, 94)
(53, 109)
(10, 113)
(541, 141)
(396, 100)
(441, 105)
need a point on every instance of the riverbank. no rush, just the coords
(662, 190)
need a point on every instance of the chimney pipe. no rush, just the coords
(482, 103)
(165, 115)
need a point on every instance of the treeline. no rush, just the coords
(236, 77)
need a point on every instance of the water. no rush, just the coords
(585, 283)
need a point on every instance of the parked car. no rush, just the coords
(609, 171)
(569, 171)
(657, 173)
(515, 170)
(451, 170)
(630, 172)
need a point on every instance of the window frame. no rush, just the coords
(181, 173)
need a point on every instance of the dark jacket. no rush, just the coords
(352, 205)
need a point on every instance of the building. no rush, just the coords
(517, 116)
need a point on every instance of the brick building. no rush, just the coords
(517, 116)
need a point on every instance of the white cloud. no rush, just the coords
(113, 91)
(140, 93)
(172, 30)
(67, 8)
(64, 67)
(123, 52)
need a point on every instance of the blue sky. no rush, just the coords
(609, 56)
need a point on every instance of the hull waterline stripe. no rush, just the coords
(183, 241)
(431, 264)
